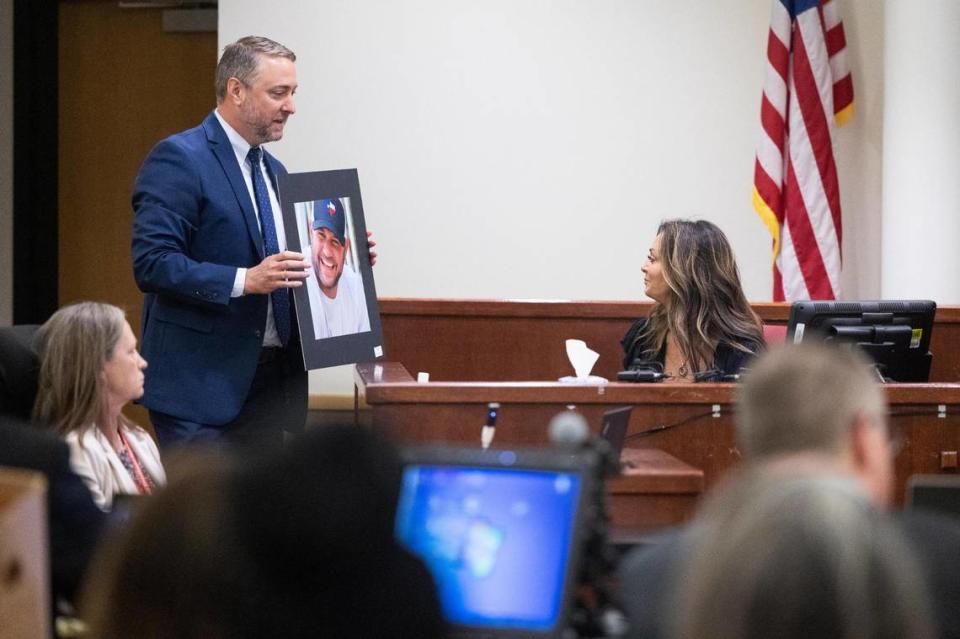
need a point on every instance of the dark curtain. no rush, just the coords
(35, 237)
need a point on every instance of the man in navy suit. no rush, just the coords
(210, 255)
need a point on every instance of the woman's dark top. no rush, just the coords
(726, 359)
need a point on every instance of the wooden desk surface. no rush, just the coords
(463, 343)
(654, 471)
(382, 382)
(693, 423)
(655, 490)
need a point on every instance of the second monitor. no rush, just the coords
(895, 334)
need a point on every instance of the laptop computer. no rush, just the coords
(501, 531)
(613, 428)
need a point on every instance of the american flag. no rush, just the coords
(795, 187)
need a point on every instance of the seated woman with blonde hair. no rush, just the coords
(90, 369)
(701, 325)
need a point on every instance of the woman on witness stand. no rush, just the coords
(701, 325)
(90, 369)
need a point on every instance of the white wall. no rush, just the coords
(6, 163)
(922, 154)
(528, 149)
(858, 148)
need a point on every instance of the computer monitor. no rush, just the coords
(613, 428)
(501, 531)
(940, 493)
(895, 334)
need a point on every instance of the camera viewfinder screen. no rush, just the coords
(497, 541)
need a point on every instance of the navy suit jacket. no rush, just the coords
(194, 225)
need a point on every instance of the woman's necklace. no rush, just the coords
(674, 353)
(139, 478)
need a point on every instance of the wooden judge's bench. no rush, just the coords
(680, 438)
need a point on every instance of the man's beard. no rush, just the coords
(258, 124)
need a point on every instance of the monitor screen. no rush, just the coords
(895, 334)
(500, 531)
(940, 493)
(613, 428)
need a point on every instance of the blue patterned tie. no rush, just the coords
(280, 297)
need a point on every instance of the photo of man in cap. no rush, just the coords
(337, 302)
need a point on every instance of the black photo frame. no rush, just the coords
(328, 339)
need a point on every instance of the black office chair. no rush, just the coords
(19, 369)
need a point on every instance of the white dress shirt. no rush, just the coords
(240, 149)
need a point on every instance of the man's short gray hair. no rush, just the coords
(806, 398)
(239, 60)
(797, 556)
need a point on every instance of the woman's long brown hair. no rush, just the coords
(74, 345)
(707, 306)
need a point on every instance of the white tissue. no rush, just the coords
(582, 359)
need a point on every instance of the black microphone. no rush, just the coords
(569, 430)
(641, 375)
(715, 375)
(643, 370)
(593, 615)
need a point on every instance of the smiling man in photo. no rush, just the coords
(337, 300)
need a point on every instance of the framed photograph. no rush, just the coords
(337, 310)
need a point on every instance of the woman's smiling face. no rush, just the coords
(654, 285)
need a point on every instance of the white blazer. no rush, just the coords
(98, 465)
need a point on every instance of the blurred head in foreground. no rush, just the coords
(297, 545)
(798, 555)
(814, 403)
